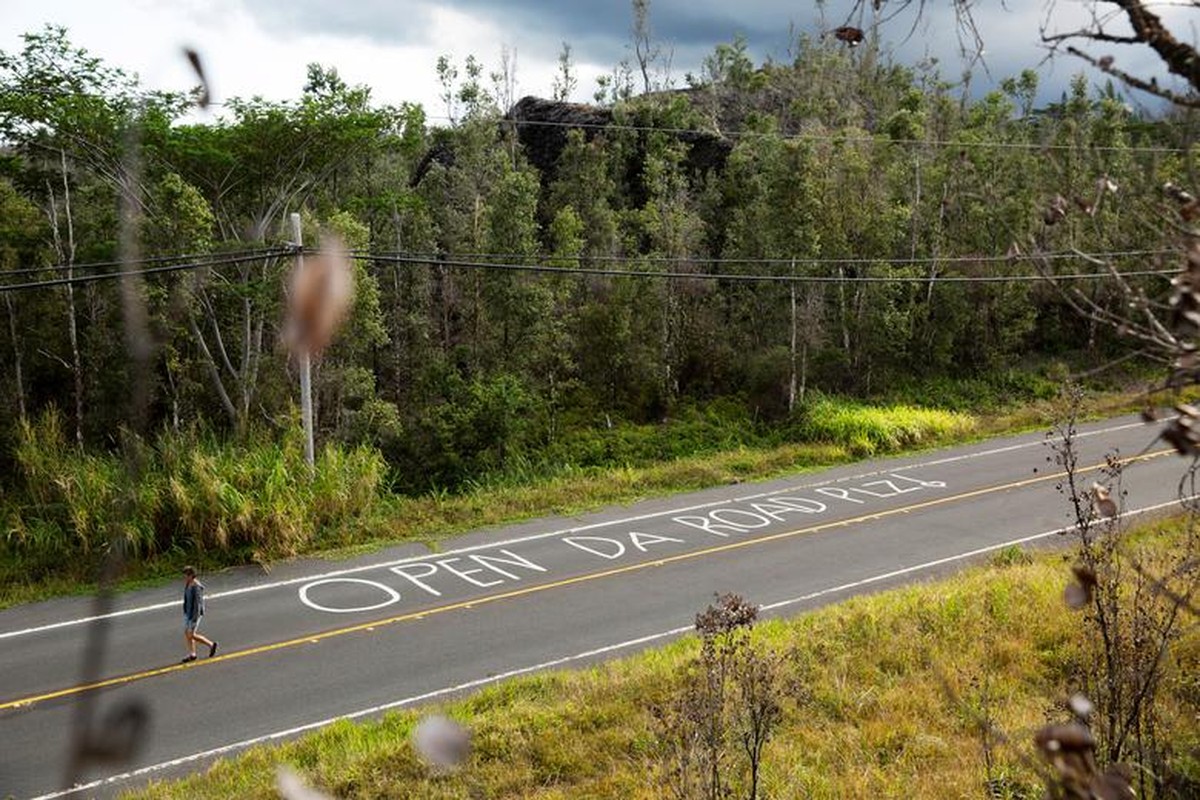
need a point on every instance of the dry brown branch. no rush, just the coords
(1146, 29)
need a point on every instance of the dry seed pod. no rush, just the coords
(442, 742)
(1071, 737)
(1185, 297)
(1103, 501)
(1113, 784)
(1177, 193)
(1075, 596)
(321, 292)
(1081, 707)
(1183, 432)
(1182, 438)
(849, 34)
(1079, 594)
(1085, 575)
(1055, 211)
(204, 97)
(292, 787)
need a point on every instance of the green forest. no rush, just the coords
(540, 285)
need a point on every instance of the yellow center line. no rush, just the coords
(541, 587)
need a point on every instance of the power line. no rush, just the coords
(459, 261)
(433, 257)
(106, 276)
(759, 278)
(148, 260)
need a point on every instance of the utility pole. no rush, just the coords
(306, 406)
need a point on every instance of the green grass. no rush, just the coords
(216, 504)
(185, 496)
(885, 693)
(867, 430)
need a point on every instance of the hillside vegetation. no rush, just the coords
(788, 264)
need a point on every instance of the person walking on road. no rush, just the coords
(193, 610)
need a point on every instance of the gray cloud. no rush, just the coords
(395, 22)
(599, 30)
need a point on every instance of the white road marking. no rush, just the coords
(393, 595)
(558, 662)
(548, 534)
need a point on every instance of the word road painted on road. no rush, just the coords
(435, 576)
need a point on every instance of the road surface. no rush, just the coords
(317, 641)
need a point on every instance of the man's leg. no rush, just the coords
(199, 637)
(189, 636)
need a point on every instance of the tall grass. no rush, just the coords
(191, 492)
(196, 496)
(867, 430)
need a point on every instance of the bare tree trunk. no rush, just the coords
(399, 329)
(247, 390)
(792, 380)
(66, 255)
(213, 372)
(16, 344)
(174, 389)
(845, 312)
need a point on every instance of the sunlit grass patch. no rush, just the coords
(874, 429)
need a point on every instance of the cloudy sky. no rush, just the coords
(261, 47)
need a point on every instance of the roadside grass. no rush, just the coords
(215, 504)
(883, 700)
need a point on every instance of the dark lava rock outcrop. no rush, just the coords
(542, 127)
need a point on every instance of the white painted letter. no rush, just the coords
(773, 510)
(640, 540)
(706, 525)
(927, 484)
(512, 560)
(802, 504)
(574, 541)
(466, 574)
(400, 570)
(762, 521)
(393, 595)
(841, 494)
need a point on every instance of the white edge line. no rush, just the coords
(557, 662)
(229, 748)
(538, 536)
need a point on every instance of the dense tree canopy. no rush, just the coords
(831, 223)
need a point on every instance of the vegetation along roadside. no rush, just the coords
(206, 500)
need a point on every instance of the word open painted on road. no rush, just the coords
(437, 577)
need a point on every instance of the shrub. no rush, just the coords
(187, 491)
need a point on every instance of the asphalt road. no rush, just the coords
(317, 641)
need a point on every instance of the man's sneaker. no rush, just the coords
(212, 649)
(188, 659)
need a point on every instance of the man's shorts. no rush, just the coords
(190, 625)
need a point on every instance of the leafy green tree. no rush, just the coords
(22, 247)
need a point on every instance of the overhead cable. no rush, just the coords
(105, 276)
(759, 278)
